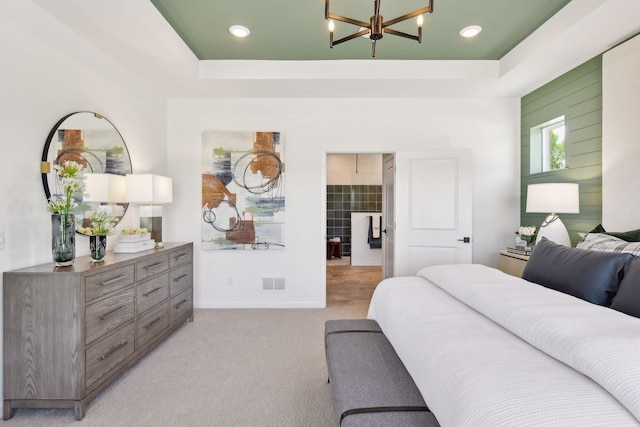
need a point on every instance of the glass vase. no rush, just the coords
(63, 239)
(98, 247)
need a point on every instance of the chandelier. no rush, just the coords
(376, 27)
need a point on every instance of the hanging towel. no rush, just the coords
(376, 226)
(374, 242)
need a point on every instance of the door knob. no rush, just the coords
(465, 240)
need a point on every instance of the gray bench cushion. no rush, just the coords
(370, 385)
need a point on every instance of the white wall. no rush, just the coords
(341, 169)
(46, 73)
(620, 137)
(311, 129)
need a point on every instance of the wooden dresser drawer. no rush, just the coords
(152, 266)
(107, 354)
(106, 315)
(101, 284)
(180, 305)
(181, 256)
(151, 292)
(180, 279)
(152, 323)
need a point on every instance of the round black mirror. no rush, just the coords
(92, 141)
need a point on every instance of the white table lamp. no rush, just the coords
(106, 188)
(150, 191)
(553, 198)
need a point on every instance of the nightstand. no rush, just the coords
(511, 263)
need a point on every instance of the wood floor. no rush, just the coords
(347, 285)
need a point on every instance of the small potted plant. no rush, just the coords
(528, 234)
(102, 225)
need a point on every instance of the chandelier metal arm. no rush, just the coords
(401, 34)
(426, 9)
(351, 37)
(330, 15)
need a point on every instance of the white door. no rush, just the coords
(388, 218)
(432, 210)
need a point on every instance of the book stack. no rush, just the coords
(132, 243)
(520, 250)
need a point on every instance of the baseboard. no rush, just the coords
(260, 304)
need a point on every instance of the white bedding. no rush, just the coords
(488, 349)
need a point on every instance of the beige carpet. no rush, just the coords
(228, 368)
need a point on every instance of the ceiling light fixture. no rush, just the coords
(376, 27)
(239, 30)
(470, 31)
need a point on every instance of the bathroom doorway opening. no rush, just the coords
(354, 227)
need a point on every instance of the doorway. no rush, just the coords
(353, 227)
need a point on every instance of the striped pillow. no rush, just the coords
(606, 243)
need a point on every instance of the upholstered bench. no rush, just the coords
(369, 384)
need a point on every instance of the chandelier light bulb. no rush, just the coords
(332, 26)
(420, 20)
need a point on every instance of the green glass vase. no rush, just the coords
(63, 239)
(98, 247)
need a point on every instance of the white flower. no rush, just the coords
(70, 180)
(102, 223)
(527, 230)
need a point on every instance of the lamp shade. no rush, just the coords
(105, 187)
(553, 198)
(149, 188)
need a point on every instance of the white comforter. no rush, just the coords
(489, 349)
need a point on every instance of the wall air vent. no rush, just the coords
(271, 284)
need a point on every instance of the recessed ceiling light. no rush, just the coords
(470, 31)
(239, 30)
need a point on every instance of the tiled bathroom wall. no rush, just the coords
(344, 199)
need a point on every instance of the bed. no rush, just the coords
(488, 349)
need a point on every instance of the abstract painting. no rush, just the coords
(243, 200)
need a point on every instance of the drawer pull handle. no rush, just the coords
(152, 266)
(178, 305)
(152, 291)
(114, 280)
(178, 257)
(114, 349)
(104, 316)
(177, 279)
(153, 322)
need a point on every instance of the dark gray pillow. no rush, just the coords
(628, 236)
(627, 300)
(589, 275)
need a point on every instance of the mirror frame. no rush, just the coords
(46, 168)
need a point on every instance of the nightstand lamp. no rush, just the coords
(150, 191)
(553, 198)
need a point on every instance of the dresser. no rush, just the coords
(69, 332)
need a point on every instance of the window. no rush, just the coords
(547, 142)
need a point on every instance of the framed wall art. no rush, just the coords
(243, 192)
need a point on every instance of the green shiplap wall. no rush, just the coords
(578, 96)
